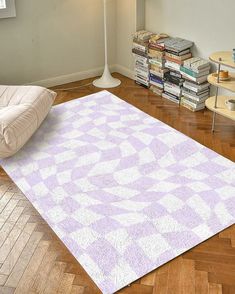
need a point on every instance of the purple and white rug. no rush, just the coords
(125, 192)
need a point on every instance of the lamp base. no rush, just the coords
(106, 81)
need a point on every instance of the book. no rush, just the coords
(142, 73)
(142, 68)
(140, 47)
(158, 68)
(197, 80)
(180, 53)
(158, 62)
(193, 73)
(171, 97)
(156, 53)
(156, 90)
(196, 63)
(178, 44)
(176, 74)
(172, 88)
(196, 87)
(141, 79)
(139, 52)
(156, 84)
(158, 38)
(142, 35)
(172, 65)
(176, 80)
(194, 97)
(199, 93)
(141, 84)
(141, 64)
(158, 41)
(141, 76)
(156, 78)
(199, 107)
(180, 62)
(177, 57)
(157, 73)
(160, 46)
(194, 105)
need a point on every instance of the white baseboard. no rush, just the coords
(78, 76)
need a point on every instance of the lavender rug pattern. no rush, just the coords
(124, 192)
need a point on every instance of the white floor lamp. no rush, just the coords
(106, 81)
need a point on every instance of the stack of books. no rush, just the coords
(156, 56)
(196, 89)
(140, 51)
(177, 51)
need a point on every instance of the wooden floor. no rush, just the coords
(33, 260)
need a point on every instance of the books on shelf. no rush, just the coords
(140, 52)
(196, 89)
(166, 66)
(156, 56)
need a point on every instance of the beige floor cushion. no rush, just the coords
(22, 110)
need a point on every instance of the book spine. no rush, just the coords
(158, 74)
(198, 94)
(187, 71)
(194, 98)
(174, 80)
(138, 52)
(140, 47)
(172, 89)
(173, 66)
(156, 84)
(142, 84)
(196, 80)
(170, 97)
(156, 79)
(174, 60)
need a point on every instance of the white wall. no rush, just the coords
(51, 38)
(130, 16)
(125, 29)
(209, 23)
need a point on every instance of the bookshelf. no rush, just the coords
(217, 103)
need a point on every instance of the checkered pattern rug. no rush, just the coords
(125, 192)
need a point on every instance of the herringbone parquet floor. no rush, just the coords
(33, 259)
